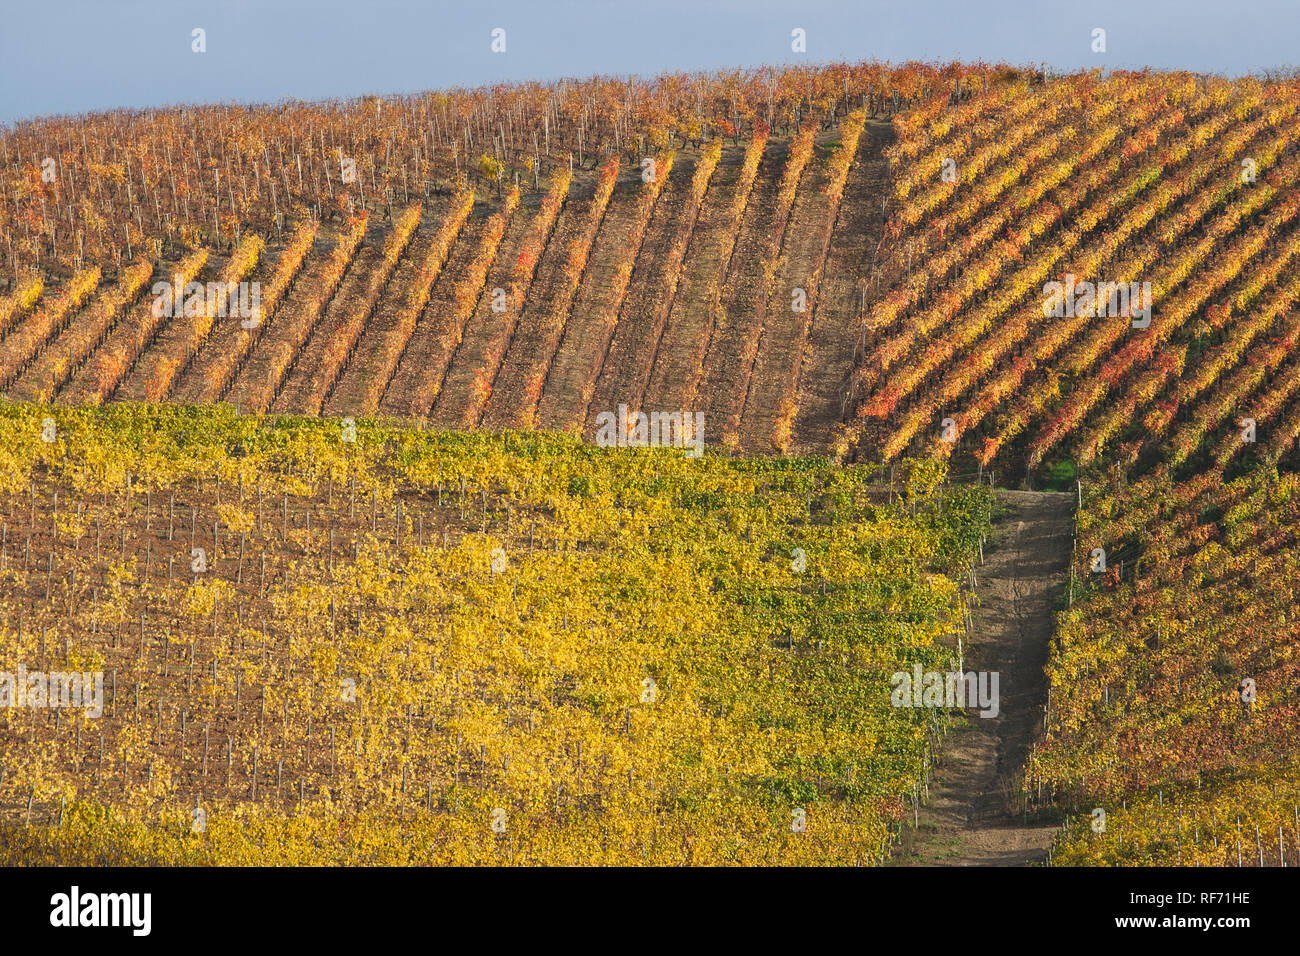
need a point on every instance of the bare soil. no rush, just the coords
(971, 816)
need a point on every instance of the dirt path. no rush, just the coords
(969, 819)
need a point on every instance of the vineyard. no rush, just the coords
(363, 644)
(526, 256)
(836, 260)
(365, 589)
(1184, 183)
(1148, 720)
(1181, 428)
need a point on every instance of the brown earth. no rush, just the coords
(970, 818)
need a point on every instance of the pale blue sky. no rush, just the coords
(70, 56)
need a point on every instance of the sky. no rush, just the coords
(74, 56)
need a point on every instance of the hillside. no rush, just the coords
(919, 274)
(519, 257)
(830, 260)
